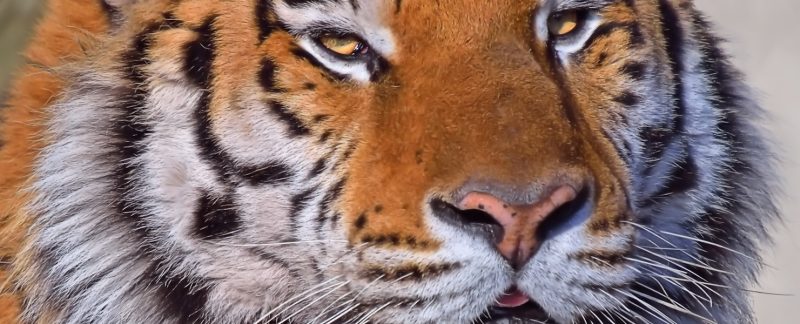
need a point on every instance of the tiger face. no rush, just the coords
(388, 161)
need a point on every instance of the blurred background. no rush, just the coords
(764, 40)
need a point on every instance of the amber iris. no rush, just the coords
(563, 23)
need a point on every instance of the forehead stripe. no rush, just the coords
(263, 10)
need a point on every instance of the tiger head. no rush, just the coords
(388, 161)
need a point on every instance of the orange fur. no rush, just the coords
(424, 131)
(66, 27)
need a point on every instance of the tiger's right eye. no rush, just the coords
(344, 45)
(563, 23)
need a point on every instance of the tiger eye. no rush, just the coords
(563, 23)
(342, 45)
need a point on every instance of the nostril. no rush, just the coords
(567, 216)
(476, 220)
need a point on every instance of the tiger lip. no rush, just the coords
(512, 298)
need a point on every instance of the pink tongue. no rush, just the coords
(512, 299)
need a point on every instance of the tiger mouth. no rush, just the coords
(514, 307)
(529, 312)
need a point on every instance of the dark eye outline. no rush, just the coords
(581, 16)
(362, 51)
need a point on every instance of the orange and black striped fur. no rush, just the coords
(209, 161)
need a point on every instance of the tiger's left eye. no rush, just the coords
(563, 23)
(344, 45)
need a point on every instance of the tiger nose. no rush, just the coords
(520, 223)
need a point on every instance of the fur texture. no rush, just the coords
(209, 162)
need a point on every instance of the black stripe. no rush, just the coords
(360, 222)
(200, 54)
(674, 36)
(112, 14)
(263, 11)
(207, 142)
(299, 202)
(266, 76)
(354, 5)
(170, 21)
(637, 38)
(634, 70)
(655, 141)
(327, 201)
(628, 98)
(682, 178)
(623, 152)
(658, 138)
(130, 129)
(294, 124)
(272, 173)
(216, 217)
(345, 156)
(318, 168)
(277, 260)
(182, 297)
(325, 136)
(301, 3)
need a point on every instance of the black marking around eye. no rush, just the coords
(306, 56)
(216, 217)
(377, 68)
(294, 124)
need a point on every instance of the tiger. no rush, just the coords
(381, 161)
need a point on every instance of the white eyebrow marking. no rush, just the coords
(366, 20)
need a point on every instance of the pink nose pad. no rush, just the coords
(519, 222)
